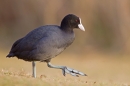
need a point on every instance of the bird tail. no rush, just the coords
(10, 55)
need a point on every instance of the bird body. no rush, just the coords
(46, 42)
(42, 44)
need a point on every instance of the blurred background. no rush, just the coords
(107, 24)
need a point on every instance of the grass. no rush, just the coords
(102, 70)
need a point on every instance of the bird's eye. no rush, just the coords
(77, 20)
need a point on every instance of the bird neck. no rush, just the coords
(67, 29)
(65, 26)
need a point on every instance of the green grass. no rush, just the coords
(108, 71)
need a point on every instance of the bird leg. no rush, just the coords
(34, 69)
(65, 70)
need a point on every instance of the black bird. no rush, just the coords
(46, 42)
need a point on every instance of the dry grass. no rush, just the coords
(112, 70)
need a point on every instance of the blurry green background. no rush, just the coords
(102, 51)
(106, 22)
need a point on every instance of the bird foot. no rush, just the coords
(72, 72)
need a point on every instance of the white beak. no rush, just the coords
(81, 26)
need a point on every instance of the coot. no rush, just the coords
(46, 42)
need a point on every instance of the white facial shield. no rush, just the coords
(80, 25)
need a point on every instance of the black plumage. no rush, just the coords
(46, 42)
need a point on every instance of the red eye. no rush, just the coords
(77, 20)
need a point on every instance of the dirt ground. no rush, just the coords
(101, 70)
